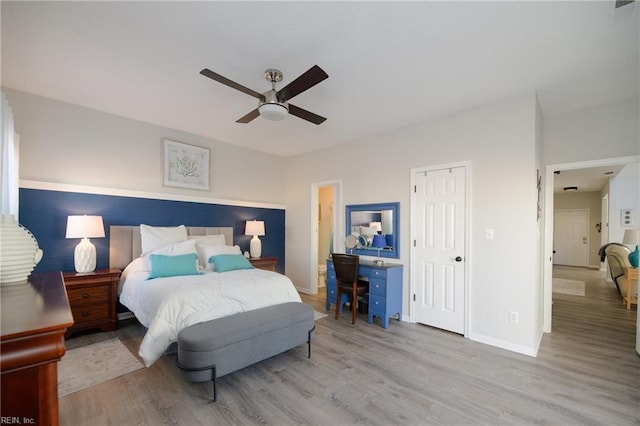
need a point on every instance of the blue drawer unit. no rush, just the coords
(385, 289)
(332, 287)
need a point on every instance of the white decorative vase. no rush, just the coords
(19, 252)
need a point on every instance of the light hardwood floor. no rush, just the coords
(586, 372)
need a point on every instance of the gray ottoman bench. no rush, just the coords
(221, 346)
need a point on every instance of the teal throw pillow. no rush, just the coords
(230, 262)
(171, 266)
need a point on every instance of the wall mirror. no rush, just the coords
(373, 229)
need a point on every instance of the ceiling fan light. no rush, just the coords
(273, 112)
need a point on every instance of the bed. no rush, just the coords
(158, 284)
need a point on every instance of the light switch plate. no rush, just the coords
(627, 217)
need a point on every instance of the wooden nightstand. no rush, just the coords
(267, 263)
(92, 298)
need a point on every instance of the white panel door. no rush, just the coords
(570, 238)
(438, 224)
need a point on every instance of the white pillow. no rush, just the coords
(136, 265)
(209, 240)
(206, 240)
(153, 237)
(185, 247)
(209, 251)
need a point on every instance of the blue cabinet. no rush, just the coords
(385, 289)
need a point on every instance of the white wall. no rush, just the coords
(68, 144)
(500, 141)
(624, 193)
(605, 131)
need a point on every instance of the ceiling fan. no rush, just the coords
(274, 104)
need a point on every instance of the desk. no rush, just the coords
(385, 289)
(629, 288)
(35, 316)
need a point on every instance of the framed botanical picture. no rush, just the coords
(185, 166)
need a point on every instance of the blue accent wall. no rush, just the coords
(45, 212)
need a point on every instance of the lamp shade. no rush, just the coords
(254, 227)
(379, 241)
(376, 225)
(85, 227)
(273, 112)
(631, 237)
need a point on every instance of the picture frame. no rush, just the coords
(185, 166)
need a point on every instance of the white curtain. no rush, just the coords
(10, 161)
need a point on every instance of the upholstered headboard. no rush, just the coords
(125, 242)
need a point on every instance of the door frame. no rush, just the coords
(547, 258)
(338, 226)
(604, 224)
(467, 239)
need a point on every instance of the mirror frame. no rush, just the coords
(395, 208)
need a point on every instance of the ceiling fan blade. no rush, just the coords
(310, 78)
(224, 80)
(306, 115)
(247, 118)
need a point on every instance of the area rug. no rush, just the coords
(318, 315)
(572, 287)
(94, 364)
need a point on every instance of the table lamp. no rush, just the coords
(255, 228)
(632, 238)
(379, 242)
(85, 227)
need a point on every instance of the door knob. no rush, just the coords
(458, 259)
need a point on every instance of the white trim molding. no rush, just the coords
(63, 187)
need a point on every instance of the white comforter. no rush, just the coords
(167, 305)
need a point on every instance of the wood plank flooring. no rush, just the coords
(586, 372)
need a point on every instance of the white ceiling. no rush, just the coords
(591, 179)
(390, 64)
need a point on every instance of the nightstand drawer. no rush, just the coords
(89, 295)
(90, 313)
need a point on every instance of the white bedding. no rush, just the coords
(167, 305)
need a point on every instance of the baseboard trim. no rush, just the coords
(525, 350)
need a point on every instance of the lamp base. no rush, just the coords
(255, 247)
(84, 257)
(633, 257)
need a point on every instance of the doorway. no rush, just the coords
(326, 225)
(549, 221)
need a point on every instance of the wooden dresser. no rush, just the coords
(35, 317)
